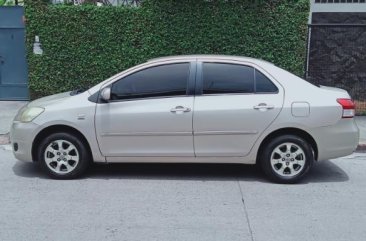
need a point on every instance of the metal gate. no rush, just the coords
(13, 64)
(337, 57)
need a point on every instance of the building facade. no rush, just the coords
(337, 46)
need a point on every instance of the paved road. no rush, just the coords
(183, 202)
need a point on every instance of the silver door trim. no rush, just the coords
(205, 133)
(147, 134)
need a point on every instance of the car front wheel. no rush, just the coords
(63, 156)
(287, 159)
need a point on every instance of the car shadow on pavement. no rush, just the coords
(324, 171)
(169, 171)
(28, 169)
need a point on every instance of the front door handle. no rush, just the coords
(263, 106)
(180, 109)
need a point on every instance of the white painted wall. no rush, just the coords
(337, 7)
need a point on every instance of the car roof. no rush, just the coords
(207, 56)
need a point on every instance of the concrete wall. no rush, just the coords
(337, 54)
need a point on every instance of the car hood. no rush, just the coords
(44, 101)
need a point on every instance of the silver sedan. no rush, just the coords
(206, 109)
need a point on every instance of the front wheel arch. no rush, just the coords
(57, 129)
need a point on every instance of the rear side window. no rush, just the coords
(220, 78)
(158, 81)
(263, 84)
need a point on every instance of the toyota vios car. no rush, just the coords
(206, 109)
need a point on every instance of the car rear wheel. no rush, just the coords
(63, 156)
(287, 159)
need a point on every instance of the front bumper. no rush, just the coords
(21, 137)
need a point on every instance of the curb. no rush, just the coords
(361, 147)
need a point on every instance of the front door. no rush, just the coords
(237, 103)
(150, 114)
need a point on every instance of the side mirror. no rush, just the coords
(106, 94)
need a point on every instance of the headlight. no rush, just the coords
(28, 114)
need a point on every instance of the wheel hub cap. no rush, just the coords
(61, 156)
(288, 159)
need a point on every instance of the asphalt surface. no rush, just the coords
(183, 202)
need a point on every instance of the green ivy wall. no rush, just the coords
(85, 44)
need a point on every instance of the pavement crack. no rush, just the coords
(246, 212)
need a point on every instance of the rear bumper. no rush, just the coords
(21, 137)
(336, 140)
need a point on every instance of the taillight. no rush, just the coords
(348, 107)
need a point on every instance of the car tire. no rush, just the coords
(63, 156)
(287, 159)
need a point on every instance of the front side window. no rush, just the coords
(164, 80)
(220, 78)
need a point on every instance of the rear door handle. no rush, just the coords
(263, 106)
(180, 109)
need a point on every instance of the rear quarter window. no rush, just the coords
(263, 84)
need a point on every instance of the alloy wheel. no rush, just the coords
(288, 159)
(61, 156)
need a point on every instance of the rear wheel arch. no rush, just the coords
(289, 131)
(57, 129)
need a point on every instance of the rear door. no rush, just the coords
(234, 104)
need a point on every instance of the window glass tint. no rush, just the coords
(263, 84)
(227, 78)
(164, 80)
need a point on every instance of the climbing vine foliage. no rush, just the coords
(83, 45)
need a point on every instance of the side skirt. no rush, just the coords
(165, 159)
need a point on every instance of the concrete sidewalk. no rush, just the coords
(361, 123)
(8, 110)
